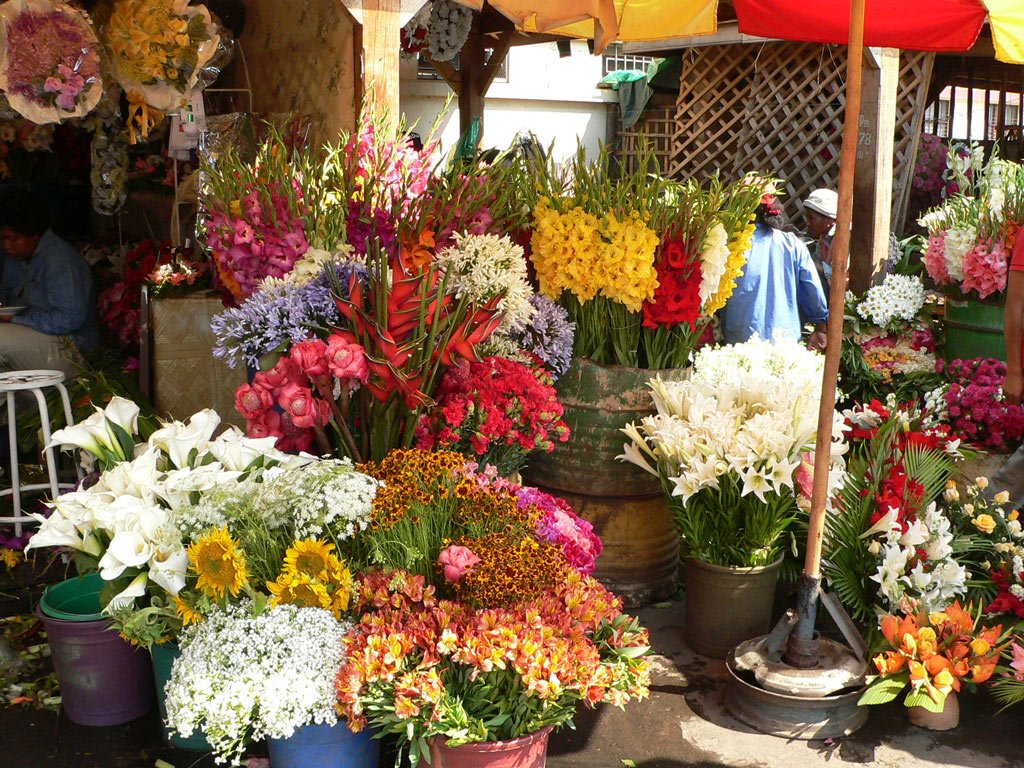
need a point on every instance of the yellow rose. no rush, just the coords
(984, 523)
(1002, 497)
(1013, 515)
(981, 482)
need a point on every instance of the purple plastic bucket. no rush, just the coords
(103, 679)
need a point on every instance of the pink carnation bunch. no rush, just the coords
(976, 408)
(564, 528)
(935, 259)
(985, 268)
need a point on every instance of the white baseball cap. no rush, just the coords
(823, 201)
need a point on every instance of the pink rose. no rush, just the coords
(310, 356)
(251, 401)
(266, 424)
(457, 562)
(66, 101)
(304, 409)
(53, 85)
(346, 360)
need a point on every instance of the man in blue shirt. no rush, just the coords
(779, 290)
(47, 276)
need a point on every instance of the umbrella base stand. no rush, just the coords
(783, 685)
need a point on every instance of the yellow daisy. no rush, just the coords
(219, 562)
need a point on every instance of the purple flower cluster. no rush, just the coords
(564, 528)
(549, 335)
(362, 225)
(975, 405)
(281, 315)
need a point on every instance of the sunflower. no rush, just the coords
(310, 557)
(220, 563)
(342, 594)
(299, 589)
(188, 614)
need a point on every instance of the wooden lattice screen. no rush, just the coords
(776, 108)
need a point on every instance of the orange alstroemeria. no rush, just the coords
(894, 627)
(927, 643)
(918, 673)
(982, 672)
(960, 617)
(889, 663)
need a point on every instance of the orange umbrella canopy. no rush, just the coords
(930, 25)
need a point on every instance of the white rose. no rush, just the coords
(128, 549)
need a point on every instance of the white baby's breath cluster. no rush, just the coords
(934, 580)
(125, 520)
(714, 259)
(897, 300)
(749, 409)
(449, 29)
(244, 677)
(480, 267)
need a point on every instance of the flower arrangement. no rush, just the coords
(727, 444)
(414, 34)
(50, 65)
(975, 406)
(158, 50)
(495, 410)
(448, 29)
(889, 539)
(894, 303)
(180, 276)
(640, 265)
(971, 235)
(108, 173)
(935, 654)
(249, 672)
(470, 675)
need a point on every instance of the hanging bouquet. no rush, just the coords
(973, 404)
(414, 34)
(158, 50)
(889, 540)
(934, 653)
(50, 62)
(495, 410)
(639, 263)
(108, 172)
(727, 446)
(448, 29)
(483, 674)
(971, 235)
(249, 672)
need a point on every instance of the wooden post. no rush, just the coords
(380, 37)
(802, 652)
(471, 76)
(872, 210)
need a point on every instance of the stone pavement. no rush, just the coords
(682, 725)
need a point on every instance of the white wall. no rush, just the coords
(555, 98)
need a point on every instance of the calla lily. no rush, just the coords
(137, 588)
(128, 549)
(237, 452)
(178, 440)
(168, 571)
(55, 531)
(90, 435)
(124, 413)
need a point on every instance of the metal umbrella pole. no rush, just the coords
(802, 648)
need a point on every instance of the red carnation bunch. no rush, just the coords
(496, 411)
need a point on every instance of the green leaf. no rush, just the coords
(663, 604)
(884, 690)
(628, 763)
(920, 698)
(634, 652)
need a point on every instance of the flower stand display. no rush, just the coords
(186, 375)
(103, 679)
(625, 504)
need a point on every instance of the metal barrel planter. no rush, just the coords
(974, 329)
(626, 505)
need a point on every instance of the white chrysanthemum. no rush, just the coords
(898, 298)
(481, 267)
(242, 677)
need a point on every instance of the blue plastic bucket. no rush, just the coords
(325, 746)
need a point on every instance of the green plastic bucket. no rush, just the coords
(974, 329)
(164, 655)
(76, 599)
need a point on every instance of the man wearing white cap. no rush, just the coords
(820, 210)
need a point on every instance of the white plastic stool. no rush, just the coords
(34, 382)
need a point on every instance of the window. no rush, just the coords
(936, 119)
(425, 70)
(614, 60)
(1011, 118)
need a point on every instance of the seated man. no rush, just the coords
(47, 276)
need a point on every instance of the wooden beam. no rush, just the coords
(446, 70)
(381, 33)
(498, 53)
(872, 207)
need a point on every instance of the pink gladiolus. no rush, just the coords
(244, 233)
(310, 356)
(935, 259)
(346, 360)
(985, 269)
(457, 562)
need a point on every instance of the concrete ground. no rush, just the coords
(683, 725)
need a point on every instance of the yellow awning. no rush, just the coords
(608, 21)
(1006, 18)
